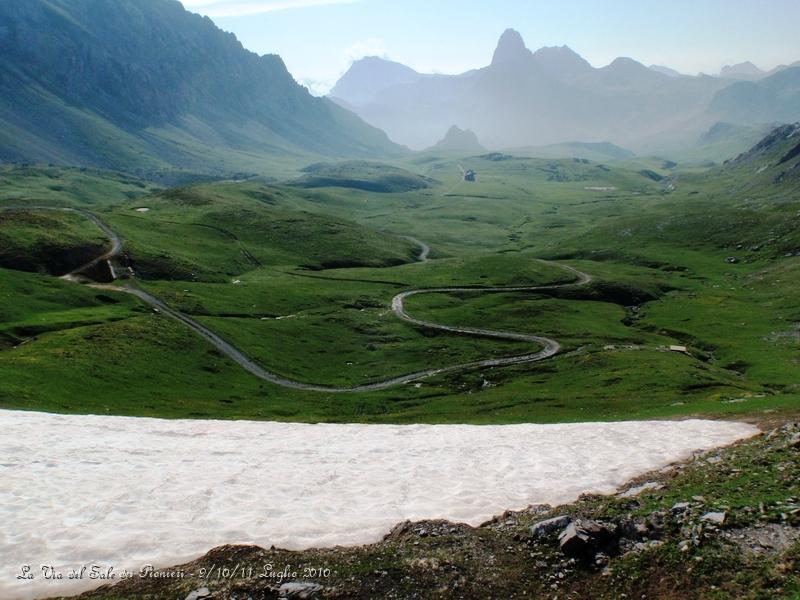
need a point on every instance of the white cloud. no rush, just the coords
(238, 8)
(317, 87)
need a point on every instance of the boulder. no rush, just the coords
(717, 518)
(548, 526)
(584, 539)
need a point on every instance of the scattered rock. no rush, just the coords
(765, 538)
(199, 594)
(731, 260)
(299, 589)
(680, 507)
(633, 530)
(638, 489)
(548, 526)
(583, 539)
(398, 530)
(717, 518)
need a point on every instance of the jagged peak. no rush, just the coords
(510, 47)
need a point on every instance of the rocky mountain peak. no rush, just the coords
(510, 47)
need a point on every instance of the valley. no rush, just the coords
(354, 299)
(549, 291)
(242, 284)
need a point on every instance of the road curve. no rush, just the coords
(547, 347)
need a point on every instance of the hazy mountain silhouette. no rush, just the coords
(549, 96)
(457, 139)
(510, 48)
(666, 71)
(145, 84)
(370, 76)
(772, 99)
(745, 70)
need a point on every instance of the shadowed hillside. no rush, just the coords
(147, 86)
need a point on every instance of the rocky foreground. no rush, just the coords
(725, 524)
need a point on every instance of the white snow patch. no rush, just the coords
(143, 209)
(125, 492)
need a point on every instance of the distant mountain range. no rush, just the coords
(747, 71)
(553, 95)
(144, 84)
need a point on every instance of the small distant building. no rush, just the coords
(470, 175)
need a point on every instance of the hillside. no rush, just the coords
(287, 274)
(145, 86)
(746, 210)
(590, 150)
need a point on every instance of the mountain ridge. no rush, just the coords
(123, 84)
(553, 96)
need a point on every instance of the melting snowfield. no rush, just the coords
(126, 492)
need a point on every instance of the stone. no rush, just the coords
(299, 589)
(638, 489)
(717, 518)
(633, 530)
(680, 507)
(548, 526)
(583, 539)
(575, 542)
(199, 594)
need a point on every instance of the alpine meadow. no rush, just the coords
(526, 329)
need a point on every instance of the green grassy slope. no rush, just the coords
(55, 186)
(657, 250)
(54, 243)
(213, 232)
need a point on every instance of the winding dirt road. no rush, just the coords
(547, 347)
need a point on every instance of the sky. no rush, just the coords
(319, 39)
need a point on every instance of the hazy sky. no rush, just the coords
(318, 39)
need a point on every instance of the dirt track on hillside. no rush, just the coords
(545, 347)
